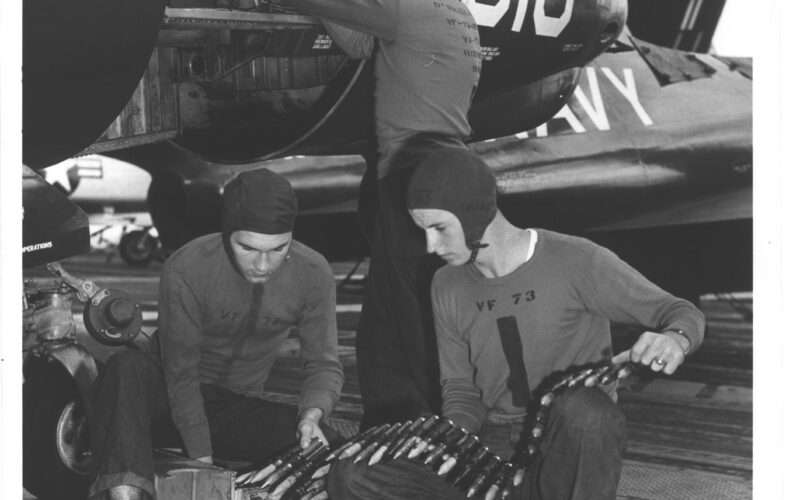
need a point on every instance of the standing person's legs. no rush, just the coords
(368, 189)
(130, 397)
(395, 345)
(368, 193)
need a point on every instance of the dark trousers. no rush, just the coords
(581, 459)
(131, 415)
(398, 367)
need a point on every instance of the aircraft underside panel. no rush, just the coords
(81, 61)
(243, 83)
(232, 85)
(151, 114)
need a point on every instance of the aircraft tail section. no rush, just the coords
(681, 24)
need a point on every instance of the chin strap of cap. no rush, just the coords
(474, 249)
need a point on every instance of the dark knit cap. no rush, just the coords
(259, 201)
(458, 181)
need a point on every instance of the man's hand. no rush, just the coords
(308, 427)
(659, 351)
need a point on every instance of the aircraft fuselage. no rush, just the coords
(237, 85)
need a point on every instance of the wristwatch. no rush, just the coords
(681, 333)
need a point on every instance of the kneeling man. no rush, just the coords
(512, 306)
(226, 304)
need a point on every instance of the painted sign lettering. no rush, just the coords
(38, 246)
(489, 13)
(589, 98)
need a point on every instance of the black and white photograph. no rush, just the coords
(396, 250)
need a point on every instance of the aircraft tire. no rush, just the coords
(137, 248)
(56, 459)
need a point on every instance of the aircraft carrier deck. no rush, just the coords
(690, 436)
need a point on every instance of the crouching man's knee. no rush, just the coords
(582, 449)
(588, 410)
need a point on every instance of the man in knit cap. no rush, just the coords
(226, 304)
(512, 306)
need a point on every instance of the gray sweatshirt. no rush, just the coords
(499, 337)
(217, 328)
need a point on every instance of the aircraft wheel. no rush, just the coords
(56, 451)
(137, 248)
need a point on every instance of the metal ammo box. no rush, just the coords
(180, 478)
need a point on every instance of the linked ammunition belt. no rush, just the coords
(451, 452)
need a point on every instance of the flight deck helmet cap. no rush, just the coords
(260, 201)
(459, 181)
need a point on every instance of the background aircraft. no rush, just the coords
(101, 184)
(630, 156)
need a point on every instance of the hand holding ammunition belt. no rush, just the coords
(452, 452)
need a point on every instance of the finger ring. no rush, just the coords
(660, 362)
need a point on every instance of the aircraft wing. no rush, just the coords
(625, 146)
(624, 152)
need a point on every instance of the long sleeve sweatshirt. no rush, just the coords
(217, 328)
(499, 337)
